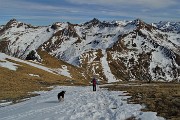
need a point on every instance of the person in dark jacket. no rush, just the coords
(94, 83)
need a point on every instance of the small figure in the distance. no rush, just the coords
(94, 83)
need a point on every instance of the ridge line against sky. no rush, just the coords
(45, 12)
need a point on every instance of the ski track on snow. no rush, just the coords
(80, 103)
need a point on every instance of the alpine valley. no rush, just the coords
(112, 51)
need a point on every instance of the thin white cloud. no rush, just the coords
(31, 6)
(145, 3)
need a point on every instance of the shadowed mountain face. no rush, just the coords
(118, 50)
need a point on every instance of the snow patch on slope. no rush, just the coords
(64, 71)
(13, 66)
(106, 69)
(7, 64)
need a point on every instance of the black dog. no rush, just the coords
(61, 95)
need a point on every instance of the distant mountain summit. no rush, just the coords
(114, 51)
(168, 26)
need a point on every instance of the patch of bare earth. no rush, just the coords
(163, 98)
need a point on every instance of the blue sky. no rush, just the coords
(46, 12)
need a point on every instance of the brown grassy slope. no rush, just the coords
(163, 98)
(17, 84)
(78, 74)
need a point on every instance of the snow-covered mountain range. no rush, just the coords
(168, 26)
(113, 51)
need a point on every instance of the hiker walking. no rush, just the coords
(94, 83)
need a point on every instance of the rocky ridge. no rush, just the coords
(113, 51)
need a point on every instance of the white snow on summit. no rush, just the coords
(23, 39)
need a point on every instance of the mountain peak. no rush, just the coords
(12, 21)
(138, 22)
(10, 24)
(93, 22)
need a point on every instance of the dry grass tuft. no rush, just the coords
(163, 98)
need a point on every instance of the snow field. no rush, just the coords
(80, 103)
(106, 69)
(12, 66)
